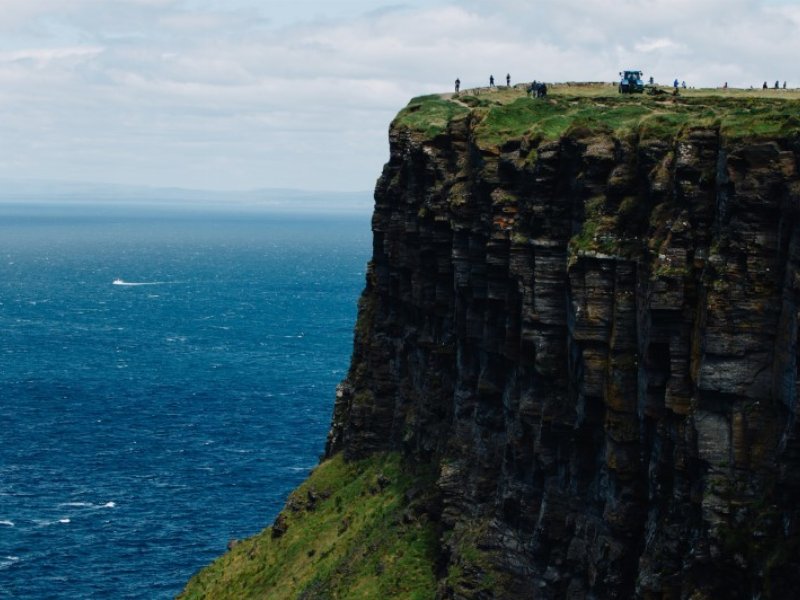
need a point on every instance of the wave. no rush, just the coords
(137, 283)
(86, 505)
(45, 523)
(7, 523)
(7, 561)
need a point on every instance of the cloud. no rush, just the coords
(649, 45)
(43, 56)
(189, 94)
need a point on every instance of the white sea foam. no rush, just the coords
(7, 561)
(137, 283)
(6, 523)
(86, 505)
(45, 523)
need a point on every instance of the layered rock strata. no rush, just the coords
(594, 338)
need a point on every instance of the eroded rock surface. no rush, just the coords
(595, 339)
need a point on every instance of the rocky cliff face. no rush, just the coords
(594, 339)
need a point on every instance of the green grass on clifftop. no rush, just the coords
(349, 533)
(502, 114)
(429, 114)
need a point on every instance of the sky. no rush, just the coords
(246, 94)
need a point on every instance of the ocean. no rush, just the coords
(167, 376)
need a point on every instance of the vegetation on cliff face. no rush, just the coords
(430, 114)
(352, 530)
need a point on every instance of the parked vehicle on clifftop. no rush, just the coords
(631, 82)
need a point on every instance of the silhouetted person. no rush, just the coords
(508, 79)
(491, 80)
(777, 85)
(675, 84)
(458, 85)
(683, 84)
(764, 87)
(784, 85)
(651, 80)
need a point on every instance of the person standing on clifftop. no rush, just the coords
(675, 84)
(508, 79)
(458, 85)
(491, 80)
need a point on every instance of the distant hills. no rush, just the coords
(272, 199)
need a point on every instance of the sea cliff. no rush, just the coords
(575, 365)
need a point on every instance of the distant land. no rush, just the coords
(272, 199)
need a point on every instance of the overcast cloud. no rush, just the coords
(245, 94)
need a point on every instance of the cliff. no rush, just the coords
(577, 347)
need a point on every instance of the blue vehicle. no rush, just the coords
(631, 82)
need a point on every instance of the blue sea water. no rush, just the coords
(143, 426)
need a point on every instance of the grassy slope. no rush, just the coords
(358, 538)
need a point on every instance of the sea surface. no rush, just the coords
(145, 423)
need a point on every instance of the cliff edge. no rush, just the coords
(575, 364)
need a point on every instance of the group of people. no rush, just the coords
(682, 84)
(491, 82)
(538, 89)
(508, 80)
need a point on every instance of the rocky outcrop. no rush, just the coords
(594, 338)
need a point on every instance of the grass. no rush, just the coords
(501, 114)
(429, 114)
(354, 540)
(474, 563)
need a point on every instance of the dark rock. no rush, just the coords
(383, 481)
(311, 500)
(599, 350)
(344, 525)
(280, 526)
